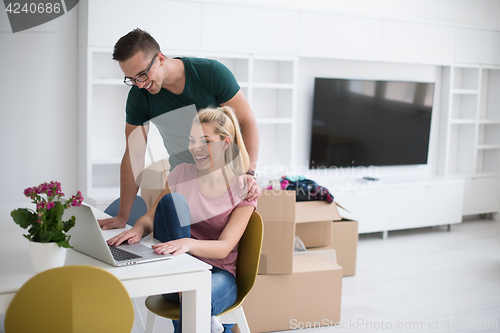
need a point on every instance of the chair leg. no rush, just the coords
(139, 324)
(241, 320)
(150, 322)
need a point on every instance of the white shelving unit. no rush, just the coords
(268, 82)
(473, 134)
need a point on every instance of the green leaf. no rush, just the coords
(24, 217)
(60, 225)
(57, 236)
(28, 237)
(35, 229)
(64, 243)
(58, 210)
(69, 224)
(45, 236)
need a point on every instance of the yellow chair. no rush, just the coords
(247, 265)
(71, 299)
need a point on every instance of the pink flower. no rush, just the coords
(40, 205)
(29, 191)
(50, 204)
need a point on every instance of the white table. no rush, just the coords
(182, 273)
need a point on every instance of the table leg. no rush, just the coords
(196, 305)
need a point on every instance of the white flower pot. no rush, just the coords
(46, 256)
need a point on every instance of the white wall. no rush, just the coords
(38, 106)
(481, 14)
(39, 87)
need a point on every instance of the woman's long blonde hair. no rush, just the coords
(226, 124)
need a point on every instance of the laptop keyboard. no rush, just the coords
(121, 255)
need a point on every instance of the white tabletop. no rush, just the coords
(183, 272)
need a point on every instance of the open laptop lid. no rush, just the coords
(86, 235)
(88, 238)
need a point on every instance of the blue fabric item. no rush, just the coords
(295, 178)
(170, 223)
(309, 190)
(139, 208)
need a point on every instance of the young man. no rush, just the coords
(163, 86)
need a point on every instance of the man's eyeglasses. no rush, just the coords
(141, 78)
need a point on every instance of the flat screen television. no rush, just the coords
(370, 123)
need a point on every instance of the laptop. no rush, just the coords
(88, 238)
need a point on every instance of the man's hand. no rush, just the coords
(250, 189)
(113, 223)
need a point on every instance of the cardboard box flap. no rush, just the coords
(314, 211)
(277, 205)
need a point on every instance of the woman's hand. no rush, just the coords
(142, 227)
(130, 236)
(175, 247)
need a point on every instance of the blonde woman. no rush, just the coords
(199, 211)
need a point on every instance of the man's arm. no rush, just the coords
(248, 125)
(131, 169)
(250, 134)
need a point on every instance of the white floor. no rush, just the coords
(425, 279)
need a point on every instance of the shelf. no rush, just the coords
(463, 121)
(464, 106)
(107, 160)
(273, 85)
(465, 78)
(486, 147)
(274, 120)
(112, 82)
(488, 161)
(488, 121)
(474, 175)
(490, 97)
(465, 92)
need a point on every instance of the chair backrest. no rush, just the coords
(247, 263)
(71, 299)
(139, 208)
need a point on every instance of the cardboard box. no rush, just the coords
(280, 214)
(325, 252)
(154, 178)
(311, 294)
(345, 242)
(315, 234)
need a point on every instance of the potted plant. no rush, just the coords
(47, 231)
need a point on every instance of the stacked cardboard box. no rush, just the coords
(296, 290)
(317, 223)
(154, 179)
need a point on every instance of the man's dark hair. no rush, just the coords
(133, 42)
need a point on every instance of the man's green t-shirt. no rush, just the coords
(208, 83)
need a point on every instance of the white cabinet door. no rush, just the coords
(426, 205)
(175, 25)
(239, 29)
(477, 46)
(480, 196)
(341, 37)
(370, 207)
(418, 43)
